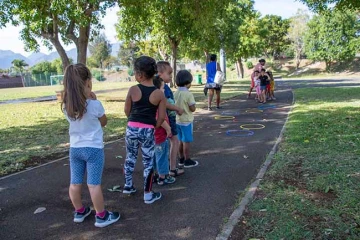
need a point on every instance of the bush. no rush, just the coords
(98, 75)
(249, 65)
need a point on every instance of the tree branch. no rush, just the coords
(70, 32)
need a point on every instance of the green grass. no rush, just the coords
(312, 190)
(32, 92)
(33, 132)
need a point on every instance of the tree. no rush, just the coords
(332, 36)
(276, 39)
(321, 5)
(56, 21)
(19, 65)
(297, 31)
(172, 20)
(100, 49)
(127, 53)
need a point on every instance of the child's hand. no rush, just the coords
(168, 133)
(92, 96)
(180, 111)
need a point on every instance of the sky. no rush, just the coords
(10, 37)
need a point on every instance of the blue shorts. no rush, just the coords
(172, 123)
(262, 88)
(161, 158)
(86, 159)
(185, 133)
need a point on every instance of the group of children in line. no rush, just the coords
(263, 82)
(159, 122)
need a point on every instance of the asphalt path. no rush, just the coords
(195, 207)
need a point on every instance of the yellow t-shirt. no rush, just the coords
(183, 99)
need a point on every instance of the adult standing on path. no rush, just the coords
(257, 67)
(211, 86)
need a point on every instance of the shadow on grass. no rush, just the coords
(28, 146)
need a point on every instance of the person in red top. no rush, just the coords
(161, 157)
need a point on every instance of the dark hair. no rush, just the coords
(262, 60)
(257, 71)
(183, 78)
(213, 57)
(145, 65)
(263, 70)
(157, 81)
(74, 98)
(161, 65)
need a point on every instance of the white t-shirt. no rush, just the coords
(87, 132)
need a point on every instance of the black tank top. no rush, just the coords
(143, 111)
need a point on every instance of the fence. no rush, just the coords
(42, 79)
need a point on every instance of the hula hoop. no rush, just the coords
(254, 111)
(256, 126)
(263, 107)
(239, 133)
(230, 113)
(219, 117)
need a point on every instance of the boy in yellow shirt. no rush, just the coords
(185, 99)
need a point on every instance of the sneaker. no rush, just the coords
(209, 109)
(80, 217)
(181, 162)
(274, 98)
(190, 163)
(109, 218)
(129, 190)
(155, 196)
(167, 180)
(218, 107)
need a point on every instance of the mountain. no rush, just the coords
(7, 56)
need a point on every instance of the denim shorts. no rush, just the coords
(161, 158)
(172, 123)
(262, 88)
(86, 159)
(185, 132)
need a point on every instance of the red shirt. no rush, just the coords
(160, 133)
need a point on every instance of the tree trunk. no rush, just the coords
(241, 67)
(174, 46)
(82, 45)
(61, 51)
(328, 65)
(237, 67)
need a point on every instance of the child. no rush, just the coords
(263, 82)
(257, 86)
(165, 72)
(141, 105)
(86, 117)
(258, 67)
(272, 86)
(161, 159)
(184, 99)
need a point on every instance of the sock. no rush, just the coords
(147, 196)
(101, 214)
(80, 210)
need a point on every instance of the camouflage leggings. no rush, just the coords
(134, 137)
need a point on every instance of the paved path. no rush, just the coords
(194, 207)
(52, 98)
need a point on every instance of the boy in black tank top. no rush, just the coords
(141, 105)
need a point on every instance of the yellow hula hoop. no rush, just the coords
(255, 126)
(219, 117)
(254, 111)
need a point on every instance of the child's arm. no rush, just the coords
(172, 107)
(167, 128)
(161, 108)
(192, 108)
(127, 108)
(103, 120)
(191, 103)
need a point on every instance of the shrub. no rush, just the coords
(130, 71)
(249, 65)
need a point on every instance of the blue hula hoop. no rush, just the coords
(263, 107)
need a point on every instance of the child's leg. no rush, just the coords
(77, 172)
(132, 146)
(174, 143)
(210, 97)
(186, 150)
(162, 155)
(264, 95)
(95, 166)
(181, 150)
(148, 150)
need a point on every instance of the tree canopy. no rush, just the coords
(100, 49)
(321, 5)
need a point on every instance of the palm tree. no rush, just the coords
(19, 65)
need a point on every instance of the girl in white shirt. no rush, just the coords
(86, 117)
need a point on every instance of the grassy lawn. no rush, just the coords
(32, 92)
(312, 190)
(31, 133)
